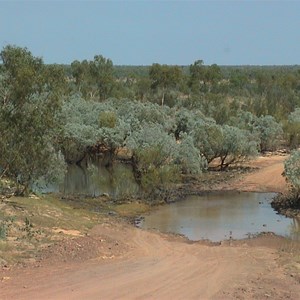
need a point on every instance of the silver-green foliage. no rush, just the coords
(292, 170)
(89, 123)
(237, 145)
(270, 132)
(264, 129)
(186, 120)
(159, 158)
(153, 156)
(135, 113)
(227, 143)
(80, 125)
(151, 135)
(188, 156)
(208, 138)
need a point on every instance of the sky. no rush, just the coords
(144, 32)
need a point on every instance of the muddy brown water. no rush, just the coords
(218, 216)
(214, 216)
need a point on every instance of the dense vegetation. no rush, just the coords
(171, 120)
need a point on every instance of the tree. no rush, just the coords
(153, 156)
(28, 116)
(80, 127)
(270, 132)
(102, 71)
(187, 121)
(213, 74)
(201, 75)
(94, 78)
(292, 171)
(83, 79)
(208, 138)
(91, 127)
(197, 74)
(143, 86)
(164, 77)
(227, 143)
(237, 145)
(238, 79)
(264, 128)
(292, 128)
(188, 157)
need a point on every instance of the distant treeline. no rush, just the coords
(124, 71)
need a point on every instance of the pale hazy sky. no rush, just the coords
(144, 32)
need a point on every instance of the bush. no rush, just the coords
(292, 170)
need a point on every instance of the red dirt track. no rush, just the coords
(137, 264)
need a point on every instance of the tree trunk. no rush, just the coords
(24, 191)
(163, 99)
(136, 172)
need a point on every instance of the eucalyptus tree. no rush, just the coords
(113, 132)
(213, 74)
(244, 120)
(201, 76)
(29, 105)
(142, 88)
(83, 79)
(292, 128)
(104, 127)
(238, 80)
(103, 73)
(197, 75)
(217, 106)
(164, 77)
(94, 79)
(205, 132)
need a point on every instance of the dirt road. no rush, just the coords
(267, 177)
(136, 264)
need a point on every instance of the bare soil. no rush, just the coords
(266, 177)
(118, 261)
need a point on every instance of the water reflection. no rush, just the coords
(116, 180)
(217, 216)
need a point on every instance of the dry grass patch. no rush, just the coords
(29, 224)
(131, 209)
(290, 258)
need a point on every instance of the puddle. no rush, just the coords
(222, 215)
